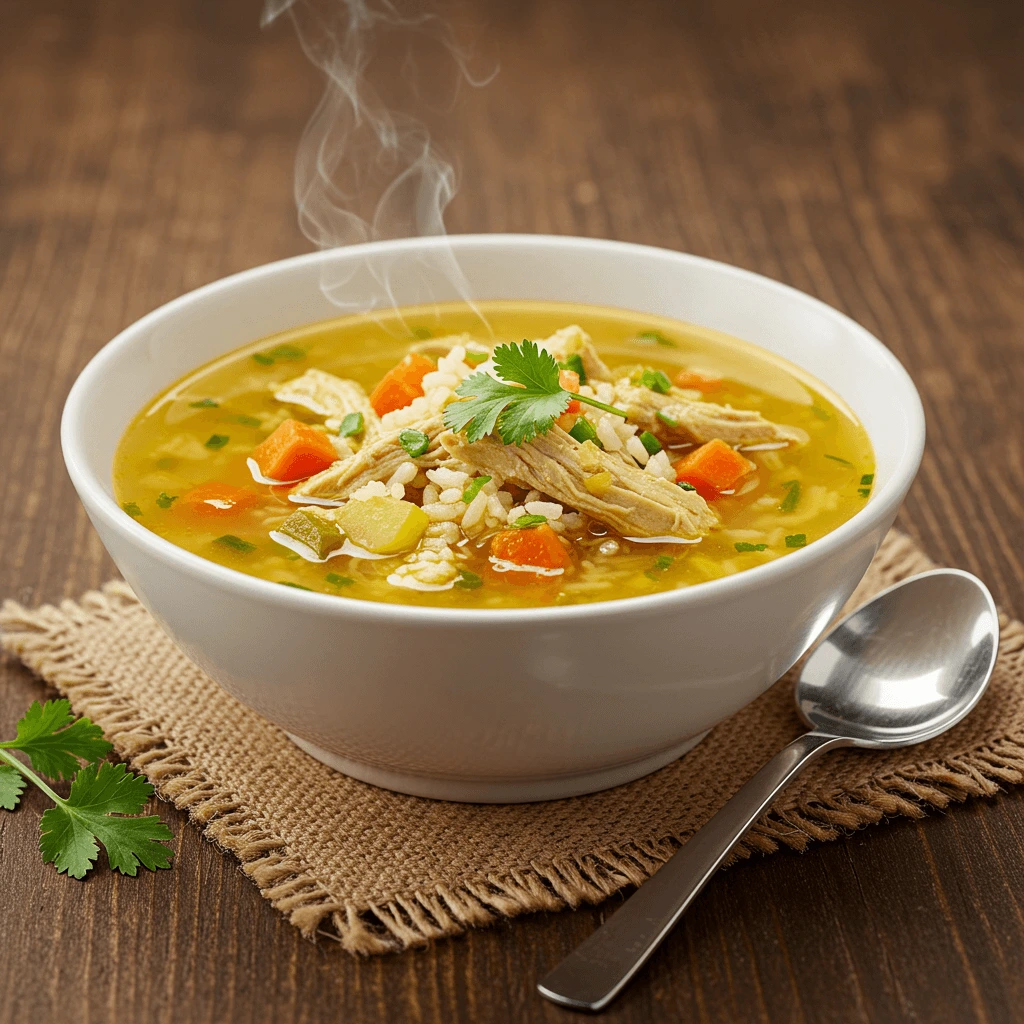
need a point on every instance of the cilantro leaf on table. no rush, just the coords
(525, 402)
(12, 785)
(54, 741)
(99, 795)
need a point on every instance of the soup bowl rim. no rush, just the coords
(879, 508)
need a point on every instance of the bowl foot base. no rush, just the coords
(498, 791)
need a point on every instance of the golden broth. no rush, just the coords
(167, 450)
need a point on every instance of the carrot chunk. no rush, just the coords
(215, 500)
(401, 384)
(569, 380)
(294, 451)
(712, 468)
(537, 546)
(697, 381)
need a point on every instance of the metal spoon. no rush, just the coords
(903, 668)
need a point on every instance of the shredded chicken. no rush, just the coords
(632, 502)
(376, 460)
(330, 396)
(701, 421)
(574, 341)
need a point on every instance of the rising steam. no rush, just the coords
(367, 168)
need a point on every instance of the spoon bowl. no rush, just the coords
(906, 666)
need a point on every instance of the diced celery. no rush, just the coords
(385, 526)
(313, 530)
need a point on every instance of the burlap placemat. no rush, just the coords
(383, 872)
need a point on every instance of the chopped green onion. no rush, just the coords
(415, 442)
(229, 540)
(245, 421)
(650, 442)
(203, 403)
(524, 522)
(339, 581)
(575, 363)
(282, 353)
(867, 479)
(655, 337)
(842, 462)
(132, 508)
(351, 425)
(656, 381)
(685, 486)
(864, 491)
(661, 563)
(166, 500)
(792, 498)
(796, 540)
(583, 430)
(742, 545)
(422, 333)
(474, 488)
(296, 586)
(476, 358)
(666, 419)
(468, 580)
(822, 414)
(216, 441)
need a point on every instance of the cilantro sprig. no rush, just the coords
(525, 402)
(102, 794)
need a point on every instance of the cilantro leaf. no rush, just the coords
(69, 831)
(12, 785)
(524, 403)
(54, 742)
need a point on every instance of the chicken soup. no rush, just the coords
(519, 455)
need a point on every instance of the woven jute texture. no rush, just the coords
(382, 872)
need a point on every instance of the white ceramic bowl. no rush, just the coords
(495, 705)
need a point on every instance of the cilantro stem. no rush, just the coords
(598, 405)
(29, 774)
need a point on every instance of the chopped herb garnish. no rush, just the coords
(216, 441)
(415, 442)
(792, 498)
(351, 425)
(864, 491)
(229, 540)
(661, 563)
(295, 586)
(474, 488)
(655, 338)
(685, 486)
(245, 421)
(867, 479)
(422, 333)
(282, 353)
(132, 508)
(842, 462)
(583, 430)
(822, 414)
(523, 404)
(666, 419)
(650, 442)
(796, 540)
(742, 545)
(525, 522)
(656, 381)
(166, 500)
(476, 358)
(575, 363)
(203, 403)
(339, 581)
(468, 580)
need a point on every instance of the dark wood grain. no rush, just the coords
(870, 153)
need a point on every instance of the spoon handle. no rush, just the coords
(595, 972)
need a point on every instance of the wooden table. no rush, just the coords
(871, 154)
